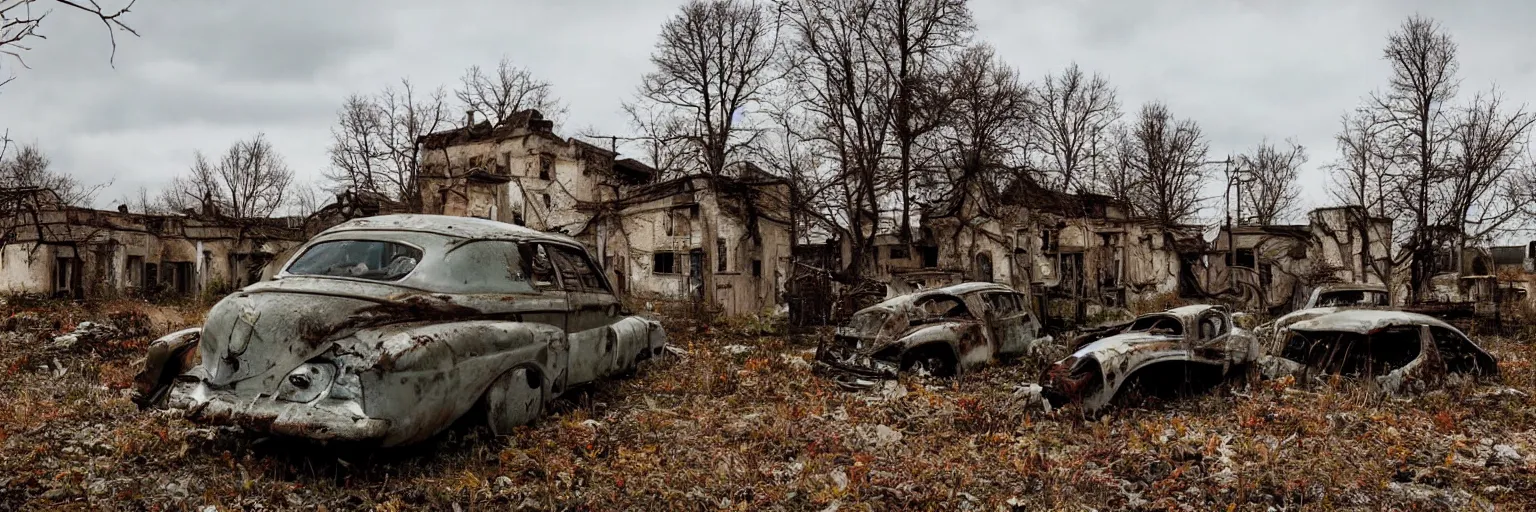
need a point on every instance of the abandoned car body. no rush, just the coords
(1170, 345)
(1400, 351)
(942, 332)
(1326, 299)
(388, 329)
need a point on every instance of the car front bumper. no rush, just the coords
(836, 358)
(323, 420)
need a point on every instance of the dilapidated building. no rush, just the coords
(1274, 268)
(48, 248)
(719, 240)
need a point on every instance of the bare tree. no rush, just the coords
(1361, 176)
(1165, 158)
(249, 181)
(1072, 115)
(496, 95)
(712, 62)
(374, 144)
(1417, 134)
(20, 20)
(916, 36)
(834, 71)
(26, 165)
(986, 131)
(1272, 190)
(1481, 194)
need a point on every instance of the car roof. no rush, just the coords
(447, 225)
(969, 288)
(1350, 287)
(1190, 310)
(1365, 321)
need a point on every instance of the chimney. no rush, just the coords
(122, 208)
(469, 119)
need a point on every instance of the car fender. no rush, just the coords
(166, 358)
(951, 335)
(425, 376)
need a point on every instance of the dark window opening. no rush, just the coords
(1160, 324)
(542, 270)
(693, 212)
(984, 267)
(546, 166)
(1050, 240)
(930, 256)
(663, 263)
(546, 202)
(720, 255)
(900, 252)
(757, 268)
(1355, 355)
(1245, 259)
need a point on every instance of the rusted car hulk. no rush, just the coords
(1400, 351)
(387, 329)
(941, 332)
(1327, 299)
(1159, 349)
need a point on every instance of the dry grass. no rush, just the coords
(757, 431)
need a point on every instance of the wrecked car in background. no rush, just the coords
(1326, 299)
(1171, 349)
(941, 332)
(1399, 351)
(388, 329)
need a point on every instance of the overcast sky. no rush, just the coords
(205, 74)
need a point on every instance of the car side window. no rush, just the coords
(1004, 304)
(542, 268)
(575, 268)
(1212, 325)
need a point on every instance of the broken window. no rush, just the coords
(546, 202)
(133, 275)
(64, 275)
(1352, 354)
(930, 256)
(720, 255)
(1245, 258)
(662, 263)
(679, 223)
(1213, 324)
(1050, 240)
(757, 268)
(942, 307)
(1458, 353)
(984, 267)
(543, 269)
(1161, 324)
(576, 271)
(546, 166)
(1005, 304)
(900, 252)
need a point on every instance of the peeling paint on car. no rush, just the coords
(943, 331)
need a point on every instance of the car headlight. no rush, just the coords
(307, 382)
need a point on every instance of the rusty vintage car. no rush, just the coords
(1398, 350)
(388, 329)
(1166, 350)
(941, 332)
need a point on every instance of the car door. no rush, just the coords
(1009, 321)
(591, 309)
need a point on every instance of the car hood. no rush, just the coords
(264, 331)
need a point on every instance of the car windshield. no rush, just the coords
(868, 323)
(362, 259)
(1352, 298)
(1160, 324)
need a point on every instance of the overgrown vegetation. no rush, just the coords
(754, 429)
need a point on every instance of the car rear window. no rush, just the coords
(374, 260)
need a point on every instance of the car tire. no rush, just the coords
(515, 399)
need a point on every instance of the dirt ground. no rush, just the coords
(740, 422)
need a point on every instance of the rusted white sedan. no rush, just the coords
(388, 329)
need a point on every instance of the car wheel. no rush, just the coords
(516, 398)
